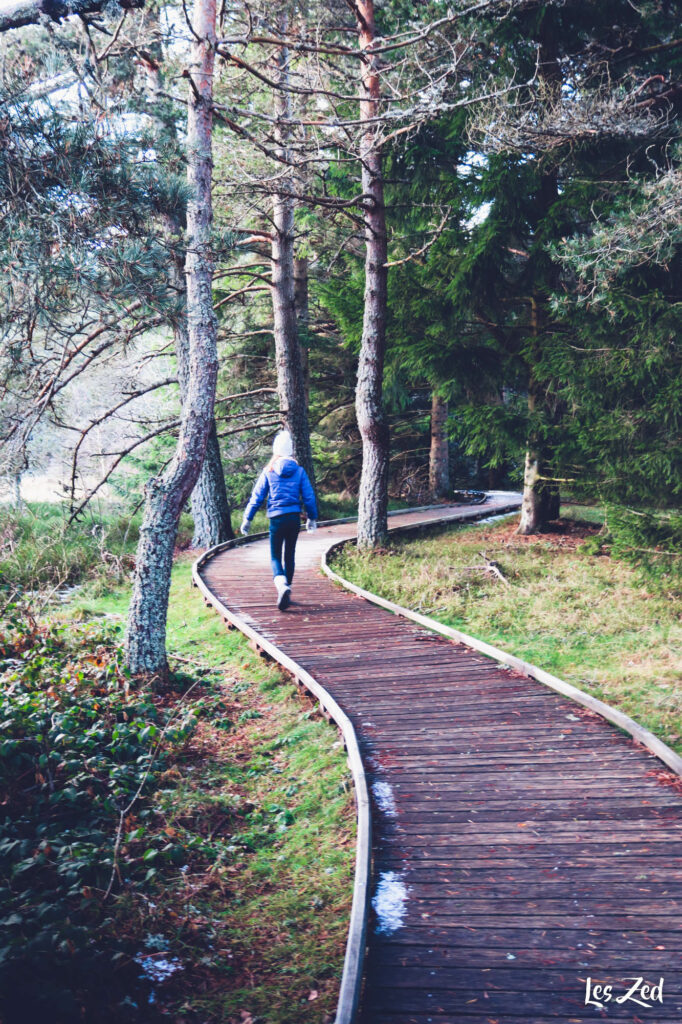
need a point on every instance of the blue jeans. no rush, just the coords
(284, 533)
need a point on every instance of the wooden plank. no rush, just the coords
(531, 830)
(546, 858)
(549, 938)
(629, 905)
(504, 979)
(616, 888)
(474, 1001)
(434, 955)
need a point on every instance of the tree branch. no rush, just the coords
(30, 12)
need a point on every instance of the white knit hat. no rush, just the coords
(283, 446)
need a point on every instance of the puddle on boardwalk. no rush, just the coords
(493, 519)
(390, 902)
(383, 797)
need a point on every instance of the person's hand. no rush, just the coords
(311, 525)
(245, 527)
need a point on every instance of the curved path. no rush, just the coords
(521, 843)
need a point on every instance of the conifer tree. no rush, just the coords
(167, 493)
(603, 106)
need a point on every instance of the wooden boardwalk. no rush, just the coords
(521, 844)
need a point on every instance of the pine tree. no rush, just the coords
(167, 493)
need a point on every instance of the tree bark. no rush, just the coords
(210, 507)
(209, 503)
(303, 319)
(290, 377)
(439, 456)
(167, 494)
(369, 406)
(541, 499)
(531, 505)
(29, 12)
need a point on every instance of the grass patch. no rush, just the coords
(569, 608)
(40, 551)
(233, 890)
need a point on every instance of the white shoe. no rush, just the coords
(283, 592)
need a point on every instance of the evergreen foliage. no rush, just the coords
(476, 242)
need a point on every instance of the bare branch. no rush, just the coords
(29, 12)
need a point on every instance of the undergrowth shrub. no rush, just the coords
(78, 741)
(650, 541)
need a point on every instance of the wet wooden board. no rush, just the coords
(535, 843)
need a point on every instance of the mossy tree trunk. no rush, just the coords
(369, 405)
(210, 507)
(439, 455)
(167, 493)
(541, 499)
(209, 502)
(303, 319)
(290, 377)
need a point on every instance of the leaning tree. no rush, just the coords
(167, 493)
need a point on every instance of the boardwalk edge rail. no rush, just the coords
(351, 980)
(613, 715)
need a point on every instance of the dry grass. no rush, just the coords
(587, 618)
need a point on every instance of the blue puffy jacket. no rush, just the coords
(283, 487)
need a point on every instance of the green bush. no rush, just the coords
(77, 741)
(651, 541)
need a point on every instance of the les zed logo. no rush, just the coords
(640, 992)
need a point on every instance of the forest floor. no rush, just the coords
(566, 606)
(235, 874)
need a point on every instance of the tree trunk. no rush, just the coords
(210, 507)
(167, 494)
(303, 319)
(541, 499)
(290, 378)
(209, 503)
(17, 499)
(369, 407)
(495, 474)
(531, 506)
(439, 456)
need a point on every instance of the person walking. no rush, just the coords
(284, 483)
